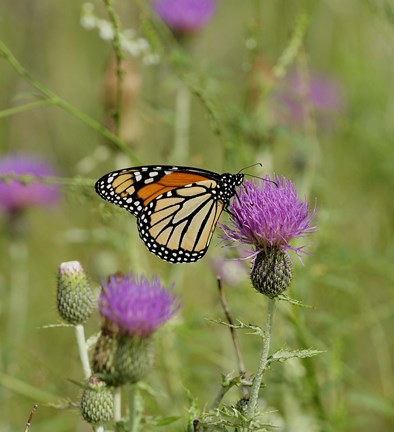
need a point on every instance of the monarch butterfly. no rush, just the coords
(176, 207)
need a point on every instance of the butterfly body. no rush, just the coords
(176, 207)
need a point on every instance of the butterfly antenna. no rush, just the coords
(264, 179)
(260, 178)
(250, 166)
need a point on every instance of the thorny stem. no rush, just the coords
(241, 364)
(57, 100)
(254, 394)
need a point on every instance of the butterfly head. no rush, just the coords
(228, 183)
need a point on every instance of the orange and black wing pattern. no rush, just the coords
(177, 208)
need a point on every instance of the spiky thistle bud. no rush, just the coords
(97, 402)
(134, 358)
(271, 272)
(103, 361)
(74, 295)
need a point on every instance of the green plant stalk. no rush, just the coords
(27, 179)
(117, 404)
(21, 108)
(182, 124)
(58, 101)
(254, 394)
(83, 352)
(19, 284)
(164, 42)
(117, 115)
(134, 408)
(292, 49)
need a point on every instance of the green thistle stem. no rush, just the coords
(83, 352)
(134, 409)
(19, 258)
(117, 404)
(119, 59)
(182, 123)
(254, 394)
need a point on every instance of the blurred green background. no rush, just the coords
(340, 156)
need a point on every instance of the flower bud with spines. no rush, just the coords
(271, 272)
(97, 402)
(134, 358)
(75, 299)
(103, 361)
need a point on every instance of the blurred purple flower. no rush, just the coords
(185, 16)
(266, 215)
(136, 305)
(299, 93)
(231, 271)
(16, 196)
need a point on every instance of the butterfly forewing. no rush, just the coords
(177, 208)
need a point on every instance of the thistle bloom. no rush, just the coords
(136, 305)
(185, 16)
(268, 216)
(133, 308)
(297, 92)
(16, 196)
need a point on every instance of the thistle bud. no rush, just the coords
(272, 271)
(103, 362)
(74, 295)
(134, 358)
(97, 402)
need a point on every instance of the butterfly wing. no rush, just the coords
(177, 208)
(178, 225)
(133, 188)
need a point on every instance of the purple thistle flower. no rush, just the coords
(136, 305)
(297, 92)
(16, 196)
(265, 214)
(185, 16)
(268, 216)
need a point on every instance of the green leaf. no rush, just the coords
(283, 355)
(256, 330)
(294, 302)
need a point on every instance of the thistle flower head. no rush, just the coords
(135, 304)
(16, 196)
(266, 214)
(185, 16)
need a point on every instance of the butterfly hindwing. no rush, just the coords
(178, 225)
(177, 207)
